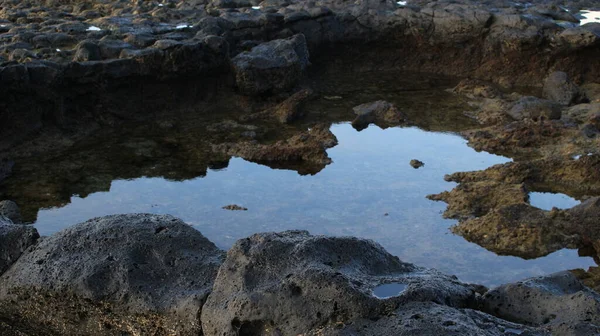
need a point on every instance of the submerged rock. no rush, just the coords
(292, 282)
(234, 207)
(153, 271)
(273, 66)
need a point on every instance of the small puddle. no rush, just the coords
(386, 291)
(546, 200)
(93, 28)
(182, 26)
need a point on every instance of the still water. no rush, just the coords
(369, 191)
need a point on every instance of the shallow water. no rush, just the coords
(388, 290)
(369, 191)
(547, 201)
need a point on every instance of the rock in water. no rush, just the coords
(416, 163)
(292, 282)
(381, 113)
(273, 66)
(153, 273)
(14, 240)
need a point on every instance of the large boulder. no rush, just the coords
(292, 282)
(559, 88)
(558, 302)
(134, 274)
(14, 240)
(273, 66)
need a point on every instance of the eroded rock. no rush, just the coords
(14, 240)
(381, 113)
(559, 88)
(10, 210)
(267, 277)
(144, 267)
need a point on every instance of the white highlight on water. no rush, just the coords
(182, 26)
(255, 7)
(93, 28)
(402, 3)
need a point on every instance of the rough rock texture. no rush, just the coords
(308, 147)
(14, 240)
(10, 210)
(427, 318)
(559, 88)
(153, 271)
(381, 113)
(534, 108)
(267, 277)
(289, 110)
(271, 67)
(558, 302)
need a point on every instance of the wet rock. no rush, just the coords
(14, 240)
(558, 302)
(149, 269)
(591, 92)
(416, 163)
(534, 108)
(267, 276)
(272, 66)
(381, 113)
(559, 88)
(234, 207)
(10, 210)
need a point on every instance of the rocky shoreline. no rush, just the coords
(153, 274)
(72, 70)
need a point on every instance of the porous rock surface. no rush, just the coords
(137, 273)
(10, 210)
(292, 282)
(559, 302)
(14, 240)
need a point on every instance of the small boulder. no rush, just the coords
(416, 163)
(153, 267)
(14, 240)
(273, 66)
(381, 113)
(558, 302)
(534, 108)
(10, 210)
(559, 88)
(292, 282)
(87, 51)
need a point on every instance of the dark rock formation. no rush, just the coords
(153, 271)
(267, 277)
(381, 113)
(558, 302)
(559, 88)
(416, 163)
(271, 67)
(14, 240)
(10, 210)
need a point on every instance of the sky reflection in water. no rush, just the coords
(370, 177)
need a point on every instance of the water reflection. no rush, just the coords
(547, 201)
(369, 178)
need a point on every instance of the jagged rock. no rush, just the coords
(558, 302)
(87, 51)
(10, 210)
(381, 113)
(416, 163)
(14, 240)
(289, 109)
(559, 88)
(268, 276)
(145, 267)
(273, 66)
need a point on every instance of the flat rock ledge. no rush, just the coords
(155, 275)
